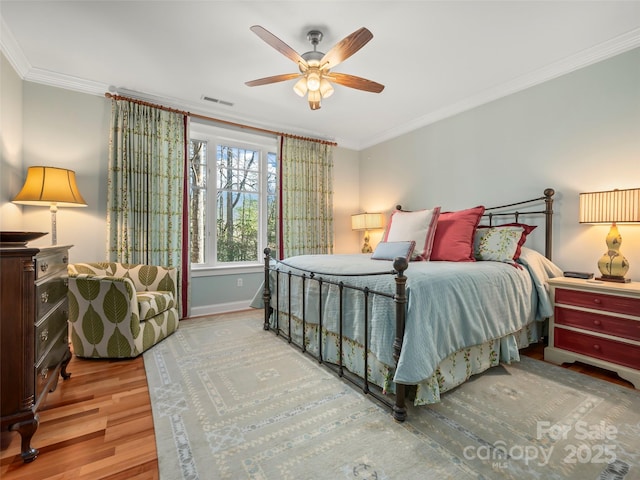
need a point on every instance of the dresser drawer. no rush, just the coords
(50, 327)
(48, 294)
(48, 366)
(596, 347)
(615, 326)
(48, 264)
(598, 301)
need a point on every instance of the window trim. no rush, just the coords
(198, 270)
(215, 136)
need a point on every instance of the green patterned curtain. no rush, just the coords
(306, 210)
(145, 195)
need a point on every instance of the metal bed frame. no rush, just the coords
(400, 265)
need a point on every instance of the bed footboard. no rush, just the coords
(400, 265)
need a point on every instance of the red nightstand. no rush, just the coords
(597, 323)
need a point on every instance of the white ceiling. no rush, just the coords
(436, 58)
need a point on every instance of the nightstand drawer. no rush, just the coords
(617, 327)
(596, 347)
(598, 301)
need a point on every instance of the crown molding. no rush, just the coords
(69, 82)
(603, 51)
(12, 50)
(600, 52)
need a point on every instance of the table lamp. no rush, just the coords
(614, 206)
(366, 222)
(53, 187)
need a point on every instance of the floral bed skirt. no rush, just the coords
(451, 372)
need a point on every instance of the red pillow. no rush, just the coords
(453, 241)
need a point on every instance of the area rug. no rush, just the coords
(231, 401)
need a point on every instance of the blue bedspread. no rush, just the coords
(450, 306)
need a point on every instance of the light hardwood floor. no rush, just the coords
(98, 424)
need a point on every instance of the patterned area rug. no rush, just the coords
(231, 401)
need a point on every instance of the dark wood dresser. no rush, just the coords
(34, 344)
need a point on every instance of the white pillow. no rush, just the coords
(418, 226)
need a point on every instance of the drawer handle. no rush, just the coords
(44, 336)
(44, 266)
(65, 259)
(596, 347)
(66, 282)
(44, 297)
(597, 301)
(597, 322)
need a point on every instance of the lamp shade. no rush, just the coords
(613, 206)
(366, 221)
(50, 186)
(326, 89)
(301, 87)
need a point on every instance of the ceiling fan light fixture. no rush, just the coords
(314, 96)
(314, 65)
(301, 87)
(313, 81)
(326, 89)
(314, 99)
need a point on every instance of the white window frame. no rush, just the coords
(215, 136)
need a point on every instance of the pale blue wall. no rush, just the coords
(10, 145)
(221, 293)
(576, 133)
(43, 125)
(68, 129)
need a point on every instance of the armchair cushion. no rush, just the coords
(152, 303)
(120, 310)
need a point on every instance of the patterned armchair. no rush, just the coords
(118, 310)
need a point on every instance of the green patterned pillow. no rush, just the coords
(498, 244)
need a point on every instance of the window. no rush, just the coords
(233, 202)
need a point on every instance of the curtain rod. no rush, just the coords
(218, 120)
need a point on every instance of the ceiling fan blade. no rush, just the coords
(278, 44)
(345, 48)
(275, 79)
(354, 82)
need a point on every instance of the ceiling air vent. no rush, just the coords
(217, 100)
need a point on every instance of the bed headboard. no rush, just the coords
(518, 209)
(526, 208)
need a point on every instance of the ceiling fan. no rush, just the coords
(315, 75)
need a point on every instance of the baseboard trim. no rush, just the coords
(219, 308)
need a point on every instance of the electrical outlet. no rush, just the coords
(239, 282)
